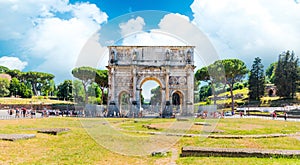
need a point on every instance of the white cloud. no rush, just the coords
(153, 38)
(52, 31)
(132, 26)
(12, 63)
(250, 28)
(175, 30)
(17, 16)
(133, 34)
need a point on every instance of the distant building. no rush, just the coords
(7, 76)
(271, 90)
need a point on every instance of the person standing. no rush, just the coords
(285, 116)
(17, 113)
(24, 112)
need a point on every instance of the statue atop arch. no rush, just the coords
(172, 67)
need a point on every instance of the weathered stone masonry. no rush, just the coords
(172, 67)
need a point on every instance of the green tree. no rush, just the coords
(102, 80)
(14, 87)
(48, 88)
(94, 92)
(235, 71)
(213, 74)
(25, 90)
(270, 72)
(287, 74)
(78, 91)
(15, 73)
(38, 80)
(87, 76)
(64, 90)
(3, 69)
(203, 75)
(4, 87)
(205, 91)
(156, 96)
(256, 80)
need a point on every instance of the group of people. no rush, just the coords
(274, 115)
(22, 112)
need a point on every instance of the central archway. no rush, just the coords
(177, 101)
(151, 96)
(124, 103)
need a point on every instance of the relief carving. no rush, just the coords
(177, 80)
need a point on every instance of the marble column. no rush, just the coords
(113, 84)
(134, 84)
(190, 91)
(167, 95)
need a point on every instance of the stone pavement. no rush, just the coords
(238, 152)
(14, 137)
(259, 136)
(53, 131)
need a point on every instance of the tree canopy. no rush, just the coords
(87, 76)
(213, 74)
(287, 74)
(270, 72)
(65, 90)
(228, 72)
(156, 96)
(4, 87)
(38, 80)
(256, 80)
(3, 69)
(102, 80)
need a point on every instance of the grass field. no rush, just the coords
(89, 141)
(265, 101)
(33, 100)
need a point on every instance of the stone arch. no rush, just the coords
(177, 106)
(158, 80)
(147, 78)
(270, 92)
(173, 71)
(124, 108)
(180, 93)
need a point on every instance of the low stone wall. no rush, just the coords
(149, 127)
(53, 131)
(14, 137)
(237, 152)
(250, 136)
(207, 135)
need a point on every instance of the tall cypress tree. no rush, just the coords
(256, 80)
(287, 75)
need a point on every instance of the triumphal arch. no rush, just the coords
(172, 67)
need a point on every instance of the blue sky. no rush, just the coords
(115, 8)
(53, 35)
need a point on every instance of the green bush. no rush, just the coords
(208, 101)
(94, 100)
